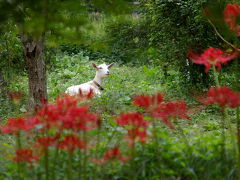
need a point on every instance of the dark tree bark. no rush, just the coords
(35, 64)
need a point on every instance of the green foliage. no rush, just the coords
(128, 40)
(60, 21)
(201, 159)
(160, 40)
(177, 27)
(11, 58)
(86, 50)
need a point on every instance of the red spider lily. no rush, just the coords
(71, 143)
(79, 118)
(112, 154)
(223, 96)
(170, 110)
(211, 57)
(231, 13)
(45, 142)
(146, 101)
(14, 125)
(132, 120)
(136, 134)
(66, 114)
(25, 155)
(136, 126)
(50, 114)
(66, 102)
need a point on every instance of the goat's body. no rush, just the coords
(95, 85)
(83, 88)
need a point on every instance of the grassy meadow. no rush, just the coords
(191, 151)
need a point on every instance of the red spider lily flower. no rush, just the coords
(169, 110)
(211, 57)
(136, 126)
(132, 120)
(66, 102)
(25, 155)
(71, 143)
(45, 142)
(79, 118)
(14, 125)
(66, 114)
(136, 134)
(231, 13)
(112, 154)
(49, 115)
(223, 96)
(146, 101)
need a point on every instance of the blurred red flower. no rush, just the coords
(136, 126)
(112, 154)
(136, 134)
(71, 143)
(132, 120)
(14, 125)
(25, 155)
(79, 118)
(223, 96)
(231, 13)
(65, 114)
(45, 142)
(169, 110)
(146, 101)
(211, 57)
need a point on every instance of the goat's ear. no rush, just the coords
(110, 65)
(94, 65)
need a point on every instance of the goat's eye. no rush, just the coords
(100, 68)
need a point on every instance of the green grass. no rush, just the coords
(196, 157)
(202, 131)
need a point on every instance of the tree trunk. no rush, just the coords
(36, 68)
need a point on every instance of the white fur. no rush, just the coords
(101, 72)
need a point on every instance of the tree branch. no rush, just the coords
(219, 35)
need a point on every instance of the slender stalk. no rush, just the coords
(157, 147)
(155, 135)
(79, 165)
(132, 168)
(184, 137)
(232, 133)
(221, 37)
(85, 157)
(46, 163)
(223, 141)
(97, 148)
(55, 163)
(18, 140)
(216, 76)
(18, 146)
(69, 169)
(238, 138)
(189, 151)
(238, 129)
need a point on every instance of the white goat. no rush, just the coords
(95, 85)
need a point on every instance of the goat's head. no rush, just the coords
(102, 69)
